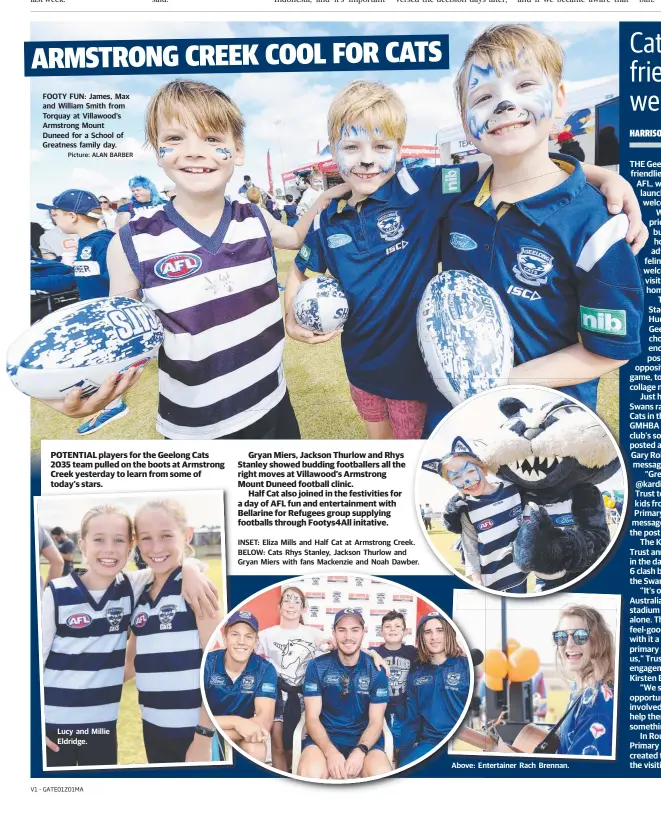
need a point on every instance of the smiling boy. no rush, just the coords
(534, 229)
(205, 264)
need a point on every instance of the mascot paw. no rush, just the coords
(539, 545)
(454, 510)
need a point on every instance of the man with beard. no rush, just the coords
(241, 687)
(345, 703)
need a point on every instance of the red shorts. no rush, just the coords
(406, 417)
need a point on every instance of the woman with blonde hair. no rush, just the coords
(585, 653)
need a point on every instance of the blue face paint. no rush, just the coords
(466, 477)
(224, 153)
(362, 151)
(521, 94)
(163, 151)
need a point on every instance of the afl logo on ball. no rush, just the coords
(178, 265)
(487, 524)
(140, 620)
(79, 621)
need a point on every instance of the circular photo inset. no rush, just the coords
(521, 490)
(337, 678)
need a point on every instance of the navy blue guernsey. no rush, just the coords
(168, 656)
(384, 252)
(227, 697)
(401, 661)
(346, 694)
(84, 670)
(436, 697)
(90, 267)
(561, 265)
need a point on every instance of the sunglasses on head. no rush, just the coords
(345, 687)
(579, 636)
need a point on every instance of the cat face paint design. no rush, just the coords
(164, 151)
(364, 154)
(521, 97)
(466, 477)
(224, 153)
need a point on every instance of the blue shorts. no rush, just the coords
(396, 720)
(417, 752)
(345, 750)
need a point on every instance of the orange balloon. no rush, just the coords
(493, 683)
(512, 646)
(495, 664)
(524, 663)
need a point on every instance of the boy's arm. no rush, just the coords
(285, 237)
(569, 366)
(294, 279)
(122, 282)
(620, 197)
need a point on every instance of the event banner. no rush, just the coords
(343, 373)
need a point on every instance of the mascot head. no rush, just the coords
(549, 449)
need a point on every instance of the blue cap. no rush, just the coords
(349, 611)
(75, 201)
(243, 616)
(424, 619)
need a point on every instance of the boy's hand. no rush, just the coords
(76, 407)
(338, 191)
(620, 197)
(297, 332)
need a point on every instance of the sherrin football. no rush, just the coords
(465, 335)
(82, 345)
(320, 305)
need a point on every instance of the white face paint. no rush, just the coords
(522, 97)
(364, 154)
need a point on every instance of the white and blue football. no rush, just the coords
(82, 345)
(465, 335)
(320, 305)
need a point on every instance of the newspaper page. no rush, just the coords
(333, 442)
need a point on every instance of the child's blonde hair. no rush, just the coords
(198, 106)
(105, 510)
(254, 195)
(502, 45)
(175, 510)
(373, 105)
(470, 458)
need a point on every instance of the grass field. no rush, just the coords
(317, 384)
(129, 726)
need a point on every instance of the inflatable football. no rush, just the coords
(82, 345)
(465, 335)
(320, 305)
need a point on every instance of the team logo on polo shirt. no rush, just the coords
(166, 616)
(248, 683)
(453, 678)
(86, 253)
(338, 240)
(363, 683)
(390, 225)
(462, 242)
(114, 617)
(532, 266)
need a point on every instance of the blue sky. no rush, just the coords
(299, 101)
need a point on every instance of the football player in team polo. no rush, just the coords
(345, 704)
(241, 687)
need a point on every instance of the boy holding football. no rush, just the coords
(382, 246)
(539, 233)
(205, 265)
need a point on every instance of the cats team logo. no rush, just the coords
(166, 616)
(533, 266)
(337, 597)
(248, 683)
(114, 617)
(315, 582)
(453, 679)
(86, 253)
(380, 598)
(359, 582)
(390, 226)
(363, 683)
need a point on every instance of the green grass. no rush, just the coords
(317, 384)
(129, 726)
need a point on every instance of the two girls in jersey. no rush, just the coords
(165, 650)
(585, 652)
(494, 509)
(85, 622)
(437, 689)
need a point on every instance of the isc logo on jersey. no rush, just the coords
(79, 621)
(178, 265)
(526, 294)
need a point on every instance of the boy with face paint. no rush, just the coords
(381, 244)
(493, 508)
(534, 229)
(206, 265)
